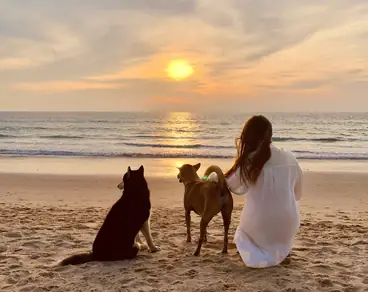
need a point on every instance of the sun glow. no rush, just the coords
(179, 69)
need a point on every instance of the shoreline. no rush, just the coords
(321, 190)
(154, 167)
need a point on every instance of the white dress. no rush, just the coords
(269, 220)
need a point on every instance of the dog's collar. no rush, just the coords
(191, 182)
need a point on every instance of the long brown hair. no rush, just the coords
(253, 148)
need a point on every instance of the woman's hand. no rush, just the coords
(228, 173)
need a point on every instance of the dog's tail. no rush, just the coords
(221, 182)
(77, 259)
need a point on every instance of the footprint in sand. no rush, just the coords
(32, 243)
(309, 242)
(191, 273)
(46, 274)
(12, 280)
(207, 261)
(3, 249)
(322, 268)
(3, 257)
(16, 266)
(28, 288)
(325, 282)
(350, 288)
(177, 282)
(12, 234)
(362, 231)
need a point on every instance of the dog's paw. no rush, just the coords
(189, 239)
(137, 245)
(196, 253)
(224, 251)
(143, 246)
(155, 249)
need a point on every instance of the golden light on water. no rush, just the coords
(182, 127)
(179, 69)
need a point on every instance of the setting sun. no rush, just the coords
(178, 69)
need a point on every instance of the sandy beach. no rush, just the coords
(91, 88)
(44, 218)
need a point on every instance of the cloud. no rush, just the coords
(241, 51)
(64, 86)
(171, 100)
(73, 7)
(165, 6)
(14, 63)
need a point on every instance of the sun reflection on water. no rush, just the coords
(182, 129)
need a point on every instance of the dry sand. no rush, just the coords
(44, 218)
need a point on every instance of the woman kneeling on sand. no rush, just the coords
(272, 179)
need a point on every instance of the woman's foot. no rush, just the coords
(155, 249)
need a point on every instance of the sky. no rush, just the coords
(112, 55)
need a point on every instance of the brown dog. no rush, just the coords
(205, 198)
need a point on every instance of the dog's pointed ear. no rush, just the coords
(141, 169)
(128, 172)
(197, 166)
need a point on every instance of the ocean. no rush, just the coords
(319, 136)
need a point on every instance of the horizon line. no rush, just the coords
(173, 111)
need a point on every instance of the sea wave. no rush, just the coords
(6, 136)
(167, 137)
(325, 140)
(62, 137)
(299, 154)
(189, 146)
(56, 137)
(117, 136)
